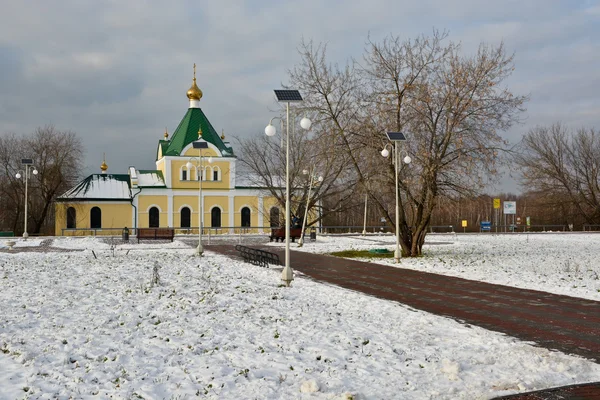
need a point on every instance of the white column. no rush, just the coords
(231, 212)
(261, 216)
(170, 208)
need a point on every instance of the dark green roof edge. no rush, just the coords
(187, 132)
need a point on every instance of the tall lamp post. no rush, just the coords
(199, 144)
(395, 138)
(364, 232)
(28, 164)
(312, 180)
(287, 96)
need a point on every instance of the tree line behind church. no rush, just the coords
(58, 157)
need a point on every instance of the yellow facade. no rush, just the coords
(114, 217)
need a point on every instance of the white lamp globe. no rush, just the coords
(385, 152)
(305, 123)
(270, 130)
(35, 171)
(407, 160)
(210, 160)
(189, 165)
(320, 179)
(305, 172)
(18, 176)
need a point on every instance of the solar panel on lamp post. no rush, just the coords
(396, 137)
(287, 96)
(28, 163)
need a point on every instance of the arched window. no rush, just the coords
(153, 218)
(184, 173)
(274, 217)
(246, 216)
(185, 217)
(71, 218)
(216, 174)
(95, 218)
(215, 217)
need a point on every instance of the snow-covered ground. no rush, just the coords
(561, 263)
(86, 325)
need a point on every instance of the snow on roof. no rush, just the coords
(100, 187)
(150, 178)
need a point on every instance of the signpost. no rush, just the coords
(510, 208)
(497, 212)
(485, 226)
(464, 225)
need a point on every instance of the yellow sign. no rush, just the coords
(496, 203)
(464, 223)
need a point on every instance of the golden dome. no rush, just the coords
(166, 135)
(223, 134)
(104, 167)
(194, 92)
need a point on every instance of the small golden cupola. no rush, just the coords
(222, 134)
(166, 135)
(194, 93)
(104, 167)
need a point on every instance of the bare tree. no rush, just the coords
(563, 167)
(451, 106)
(264, 159)
(57, 155)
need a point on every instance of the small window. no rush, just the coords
(274, 217)
(215, 217)
(96, 218)
(215, 175)
(185, 217)
(246, 217)
(71, 218)
(153, 218)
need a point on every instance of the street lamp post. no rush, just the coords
(28, 163)
(312, 180)
(396, 137)
(287, 96)
(364, 232)
(199, 144)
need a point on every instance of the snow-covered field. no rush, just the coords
(561, 263)
(75, 325)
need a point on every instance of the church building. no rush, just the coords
(194, 160)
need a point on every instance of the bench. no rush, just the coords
(279, 234)
(258, 257)
(155, 233)
(7, 234)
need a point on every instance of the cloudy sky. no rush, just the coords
(116, 72)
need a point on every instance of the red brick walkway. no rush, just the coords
(567, 324)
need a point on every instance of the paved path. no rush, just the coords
(567, 324)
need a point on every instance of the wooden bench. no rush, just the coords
(155, 233)
(279, 234)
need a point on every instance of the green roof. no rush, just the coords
(164, 144)
(187, 132)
